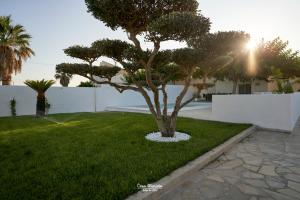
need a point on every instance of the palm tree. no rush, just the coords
(40, 87)
(14, 48)
(64, 78)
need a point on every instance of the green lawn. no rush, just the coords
(94, 156)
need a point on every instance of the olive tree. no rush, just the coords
(147, 70)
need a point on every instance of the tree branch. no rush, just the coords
(147, 66)
(187, 102)
(177, 107)
(120, 88)
(165, 100)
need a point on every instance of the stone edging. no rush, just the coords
(177, 176)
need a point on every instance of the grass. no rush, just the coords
(94, 155)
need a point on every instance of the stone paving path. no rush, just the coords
(264, 166)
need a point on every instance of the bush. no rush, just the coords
(13, 107)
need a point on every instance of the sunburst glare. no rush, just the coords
(251, 45)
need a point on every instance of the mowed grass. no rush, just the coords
(94, 155)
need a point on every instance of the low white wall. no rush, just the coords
(295, 107)
(274, 111)
(70, 100)
(25, 98)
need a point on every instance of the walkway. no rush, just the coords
(205, 113)
(264, 166)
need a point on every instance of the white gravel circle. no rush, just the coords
(177, 137)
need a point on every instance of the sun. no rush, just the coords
(251, 45)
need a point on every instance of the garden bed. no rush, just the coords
(95, 155)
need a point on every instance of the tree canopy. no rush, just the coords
(146, 70)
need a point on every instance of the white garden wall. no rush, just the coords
(74, 99)
(274, 111)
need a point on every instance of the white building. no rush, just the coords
(119, 78)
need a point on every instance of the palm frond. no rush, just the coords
(14, 46)
(39, 86)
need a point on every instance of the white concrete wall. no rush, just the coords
(70, 100)
(25, 100)
(274, 111)
(295, 107)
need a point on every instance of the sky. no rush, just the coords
(57, 24)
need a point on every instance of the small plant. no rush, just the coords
(284, 87)
(47, 106)
(13, 107)
(86, 84)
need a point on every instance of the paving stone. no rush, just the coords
(277, 196)
(231, 164)
(216, 178)
(292, 155)
(248, 174)
(256, 183)
(294, 185)
(171, 195)
(293, 177)
(247, 189)
(264, 166)
(223, 158)
(268, 170)
(215, 164)
(211, 189)
(191, 194)
(235, 194)
(295, 169)
(290, 193)
(253, 198)
(251, 167)
(251, 160)
(232, 180)
(294, 161)
(275, 183)
(281, 170)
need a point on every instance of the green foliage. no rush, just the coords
(86, 84)
(222, 54)
(87, 70)
(284, 86)
(13, 104)
(88, 54)
(134, 16)
(187, 58)
(64, 78)
(115, 49)
(156, 21)
(220, 43)
(39, 86)
(153, 21)
(179, 26)
(276, 54)
(14, 48)
(95, 155)
(47, 104)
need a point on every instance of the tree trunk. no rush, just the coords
(167, 126)
(6, 79)
(40, 105)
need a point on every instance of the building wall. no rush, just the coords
(257, 86)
